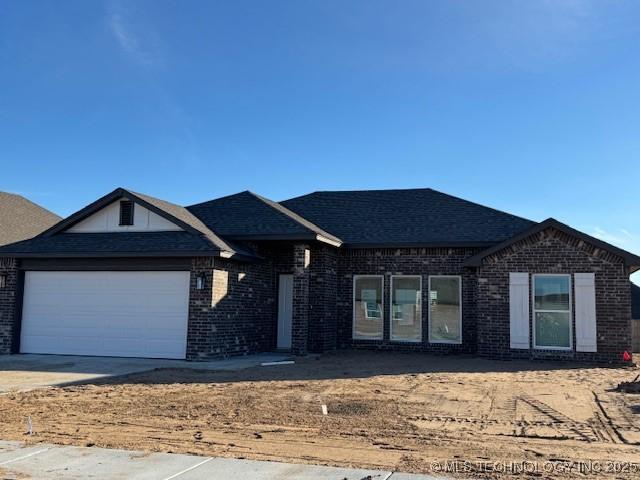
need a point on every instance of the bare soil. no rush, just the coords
(406, 412)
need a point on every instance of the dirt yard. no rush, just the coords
(408, 412)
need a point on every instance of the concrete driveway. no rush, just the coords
(51, 462)
(28, 371)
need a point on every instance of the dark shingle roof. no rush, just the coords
(635, 301)
(21, 219)
(247, 215)
(112, 244)
(404, 217)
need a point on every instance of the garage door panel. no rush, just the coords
(142, 314)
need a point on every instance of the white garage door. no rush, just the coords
(119, 314)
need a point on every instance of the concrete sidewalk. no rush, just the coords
(24, 372)
(49, 462)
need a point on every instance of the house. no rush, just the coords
(21, 219)
(132, 275)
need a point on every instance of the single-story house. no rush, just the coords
(132, 275)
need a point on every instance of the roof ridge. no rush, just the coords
(366, 190)
(216, 199)
(429, 189)
(481, 205)
(278, 207)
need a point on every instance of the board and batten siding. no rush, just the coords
(108, 220)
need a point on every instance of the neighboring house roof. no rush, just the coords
(248, 216)
(406, 217)
(21, 218)
(635, 301)
(54, 242)
(629, 258)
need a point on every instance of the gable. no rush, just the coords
(107, 219)
(551, 230)
(552, 246)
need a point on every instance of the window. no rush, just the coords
(406, 311)
(552, 311)
(367, 307)
(126, 212)
(445, 309)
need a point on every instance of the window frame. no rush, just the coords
(404, 340)
(447, 342)
(534, 311)
(353, 312)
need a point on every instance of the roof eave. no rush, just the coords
(354, 246)
(241, 257)
(124, 254)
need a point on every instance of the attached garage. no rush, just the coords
(106, 313)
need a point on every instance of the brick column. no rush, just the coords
(200, 328)
(8, 298)
(323, 311)
(300, 323)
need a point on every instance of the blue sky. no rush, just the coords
(527, 106)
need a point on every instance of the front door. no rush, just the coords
(285, 311)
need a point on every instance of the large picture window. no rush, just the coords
(445, 309)
(406, 311)
(552, 311)
(367, 307)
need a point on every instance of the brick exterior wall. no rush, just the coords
(552, 251)
(301, 276)
(323, 297)
(236, 311)
(8, 299)
(406, 261)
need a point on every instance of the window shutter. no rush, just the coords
(519, 310)
(585, 293)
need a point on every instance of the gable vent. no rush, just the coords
(126, 212)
